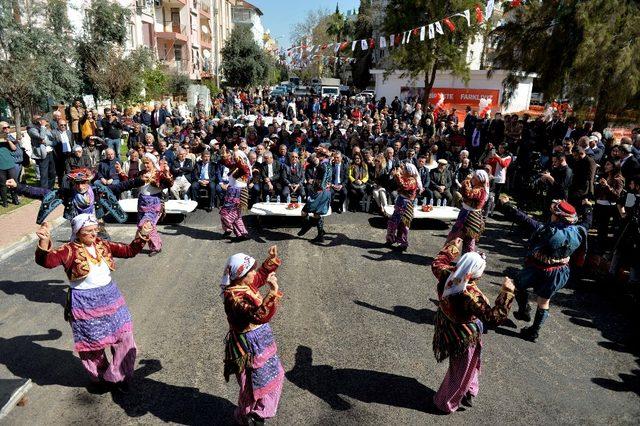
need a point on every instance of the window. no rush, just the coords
(177, 53)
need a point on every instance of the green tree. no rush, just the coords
(444, 52)
(119, 77)
(178, 83)
(337, 26)
(33, 66)
(156, 83)
(105, 29)
(244, 63)
(586, 51)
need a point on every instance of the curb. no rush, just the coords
(16, 396)
(26, 240)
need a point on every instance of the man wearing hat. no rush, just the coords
(441, 181)
(629, 164)
(320, 195)
(550, 250)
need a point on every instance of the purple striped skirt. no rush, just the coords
(266, 370)
(100, 316)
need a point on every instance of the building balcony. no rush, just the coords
(171, 65)
(174, 3)
(173, 32)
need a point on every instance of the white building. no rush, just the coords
(244, 13)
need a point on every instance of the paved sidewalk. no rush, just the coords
(19, 226)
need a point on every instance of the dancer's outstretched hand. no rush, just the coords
(272, 280)
(273, 252)
(458, 243)
(146, 228)
(44, 235)
(508, 284)
(503, 198)
(10, 183)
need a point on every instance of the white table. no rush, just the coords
(130, 205)
(443, 213)
(278, 209)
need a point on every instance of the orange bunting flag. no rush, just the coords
(479, 15)
(372, 43)
(415, 31)
(324, 46)
(516, 3)
(344, 45)
(449, 24)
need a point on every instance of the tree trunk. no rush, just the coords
(17, 117)
(600, 118)
(429, 79)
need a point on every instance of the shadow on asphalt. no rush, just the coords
(422, 224)
(37, 291)
(415, 259)
(170, 403)
(25, 358)
(330, 384)
(197, 234)
(418, 316)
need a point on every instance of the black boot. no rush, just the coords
(524, 310)
(320, 237)
(14, 197)
(531, 333)
(306, 226)
(467, 400)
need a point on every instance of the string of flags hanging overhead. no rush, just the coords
(431, 30)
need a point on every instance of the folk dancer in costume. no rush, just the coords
(83, 197)
(546, 267)
(408, 181)
(236, 199)
(95, 308)
(463, 313)
(156, 177)
(320, 199)
(250, 348)
(470, 222)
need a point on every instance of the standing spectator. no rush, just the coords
(558, 179)
(112, 130)
(63, 144)
(41, 142)
(76, 112)
(7, 165)
(607, 192)
(629, 164)
(584, 171)
(88, 126)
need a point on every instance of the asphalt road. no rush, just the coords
(354, 333)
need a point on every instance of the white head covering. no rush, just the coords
(237, 267)
(470, 266)
(483, 177)
(81, 221)
(151, 157)
(413, 171)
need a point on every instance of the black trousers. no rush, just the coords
(4, 176)
(47, 169)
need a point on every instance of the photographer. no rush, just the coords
(628, 243)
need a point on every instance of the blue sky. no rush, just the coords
(280, 15)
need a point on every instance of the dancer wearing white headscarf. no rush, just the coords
(470, 223)
(408, 180)
(463, 312)
(95, 308)
(236, 198)
(250, 348)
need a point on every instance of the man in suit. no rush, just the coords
(181, 169)
(158, 117)
(41, 142)
(477, 142)
(441, 182)
(63, 145)
(469, 125)
(293, 178)
(425, 178)
(271, 175)
(222, 182)
(630, 166)
(204, 177)
(338, 180)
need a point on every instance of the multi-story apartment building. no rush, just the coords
(185, 35)
(244, 13)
